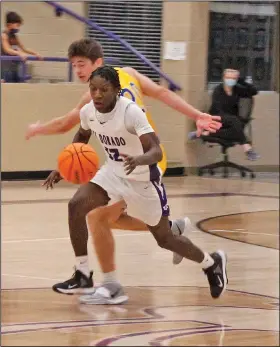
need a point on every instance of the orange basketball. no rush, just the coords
(78, 163)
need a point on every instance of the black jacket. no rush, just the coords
(228, 104)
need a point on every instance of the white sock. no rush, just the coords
(207, 261)
(110, 277)
(82, 264)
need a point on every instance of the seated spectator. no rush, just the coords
(11, 45)
(225, 101)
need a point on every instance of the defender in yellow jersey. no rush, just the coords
(131, 89)
(86, 56)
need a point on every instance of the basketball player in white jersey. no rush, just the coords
(86, 55)
(131, 179)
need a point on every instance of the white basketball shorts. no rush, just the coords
(146, 201)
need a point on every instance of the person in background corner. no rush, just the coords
(225, 100)
(11, 45)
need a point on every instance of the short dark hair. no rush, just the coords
(109, 74)
(86, 48)
(13, 17)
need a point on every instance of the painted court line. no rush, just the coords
(241, 232)
(32, 277)
(67, 238)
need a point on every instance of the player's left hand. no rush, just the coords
(130, 163)
(32, 130)
(207, 122)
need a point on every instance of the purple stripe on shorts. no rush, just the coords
(162, 197)
(154, 172)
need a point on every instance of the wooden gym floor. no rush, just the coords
(169, 305)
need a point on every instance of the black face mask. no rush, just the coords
(14, 31)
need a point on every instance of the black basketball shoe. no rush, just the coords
(77, 284)
(217, 274)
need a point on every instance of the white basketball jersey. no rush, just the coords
(117, 140)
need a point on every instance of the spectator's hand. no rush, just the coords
(37, 55)
(32, 130)
(53, 178)
(208, 123)
(23, 56)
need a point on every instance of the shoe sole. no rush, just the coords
(177, 258)
(224, 265)
(74, 291)
(104, 301)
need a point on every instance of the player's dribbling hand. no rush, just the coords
(208, 123)
(130, 163)
(53, 178)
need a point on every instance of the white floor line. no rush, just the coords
(67, 238)
(33, 277)
(36, 240)
(241, 232)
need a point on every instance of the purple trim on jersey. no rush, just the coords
(162, 197)
(154, 172)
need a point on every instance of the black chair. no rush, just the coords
(245, 111)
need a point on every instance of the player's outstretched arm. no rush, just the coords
(152, 153)
(58, 125)
(203, 121)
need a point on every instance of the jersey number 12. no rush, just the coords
(113, 154)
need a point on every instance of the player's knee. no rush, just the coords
(80, 206)
(97, 215)
(73, 205)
